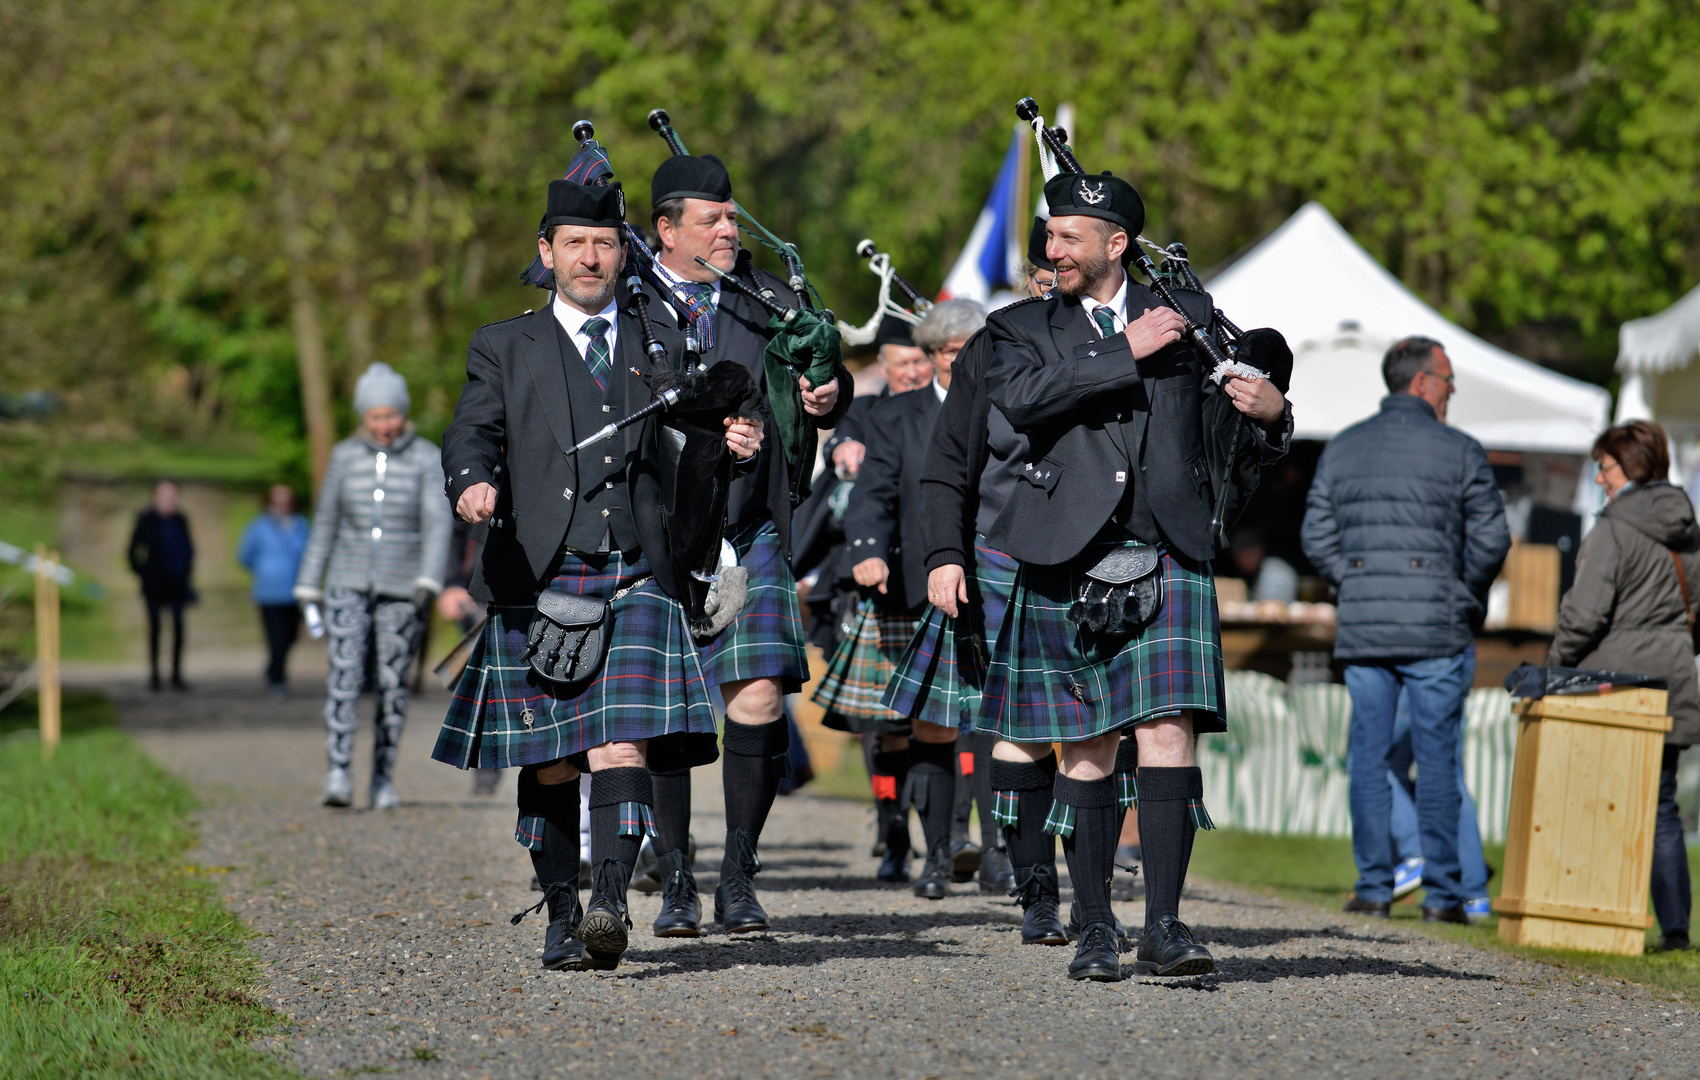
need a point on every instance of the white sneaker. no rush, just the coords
(384, 796)
(1407, 877)
(339, 789)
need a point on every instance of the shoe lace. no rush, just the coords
(1029, 888)
(743, 845)
(1099, 936)
(678, 886)
(1178, 931)
(551, 889)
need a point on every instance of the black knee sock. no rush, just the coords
(1127, 790)
(556, 861)
(932, 788)
(672, 792)
(889, 778)
(981, 785)
(750, 770)
(1165, 834)
(1091, 845)
(1030, 783)
(962, 806)
(618, 798)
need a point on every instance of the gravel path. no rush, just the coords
(386, 940)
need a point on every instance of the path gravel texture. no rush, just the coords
(386, 941)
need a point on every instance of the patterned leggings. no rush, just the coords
(354, 621)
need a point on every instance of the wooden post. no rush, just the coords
(47, 645)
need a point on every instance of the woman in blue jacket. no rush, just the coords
(271, 550)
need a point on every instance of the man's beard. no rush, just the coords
(1092, 269)
(595, 301)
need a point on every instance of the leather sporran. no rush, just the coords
(568, 638)
(1121, 593)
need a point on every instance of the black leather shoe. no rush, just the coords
(964, 861)
(996, 875)
(562, 949)
(681, 910)
(1375, 909)
(894, 867)
(1074, 927)
(1036, 891)
(1098, 958)
(1168, 949)
(1453, 914)
(735, 905)
(605, 932)
(935, 875)
(1675, 941)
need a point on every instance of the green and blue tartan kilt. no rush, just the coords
(765, 641)
(650, 685)
(860, 668)
(1049, 682)
(938, 678)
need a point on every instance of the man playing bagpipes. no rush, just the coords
(586, 662)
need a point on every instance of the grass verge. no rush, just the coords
(117, 958)
(1319, 870)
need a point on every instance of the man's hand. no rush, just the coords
(477, 503)
(1257, 398)
(455, 604)
(818, 402)
(947, 586)
(1157, 328)
(847, 458)
(743, 436)
(871, 573)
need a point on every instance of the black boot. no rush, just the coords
(1037, 891)
(996, 875)
(681, 911)
(1169, 949)
(617, 796)
(932, 883)
(606, 926)
(562, 949)
(735, 905)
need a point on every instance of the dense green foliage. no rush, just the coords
(198, 191)
(116, 958)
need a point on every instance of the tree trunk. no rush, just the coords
(309, 336)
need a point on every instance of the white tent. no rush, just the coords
(1339, 309)
(1655, 356)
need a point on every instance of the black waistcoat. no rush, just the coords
(602, 504)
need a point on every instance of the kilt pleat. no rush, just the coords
(766, 639)
(937, 680)
(1049, 682)
(650, 685)
(862, 666)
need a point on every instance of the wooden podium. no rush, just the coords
(1579, 848)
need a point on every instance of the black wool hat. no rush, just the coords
(896, 331)
(1108, 197)
(571, 203)
(685, 177)
(1036, 245)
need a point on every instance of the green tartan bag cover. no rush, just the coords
(806, 346)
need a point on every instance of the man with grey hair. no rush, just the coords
(888, 561)
(1404, 521)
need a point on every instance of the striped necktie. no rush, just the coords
(699, 305)
(597, 357)
(1106, 322)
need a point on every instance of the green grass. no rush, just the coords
(1319, 870)
(117, 958)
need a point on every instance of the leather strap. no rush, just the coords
(1682, 577)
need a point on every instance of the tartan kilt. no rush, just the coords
(650, 685)
(861, 666)
(938, 678)
(766, 639)
(1051, 683)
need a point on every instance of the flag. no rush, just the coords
(994, 252)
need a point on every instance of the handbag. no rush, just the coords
(567, 639)
(1121, 593)
(1687, 606)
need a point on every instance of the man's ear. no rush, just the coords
(1118, 245)
(664, 233)
(546, 253)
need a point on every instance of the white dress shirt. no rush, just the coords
(572, 320)
(939, 390)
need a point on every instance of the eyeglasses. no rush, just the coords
(1449, 380)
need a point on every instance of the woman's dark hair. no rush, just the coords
(1639, 446)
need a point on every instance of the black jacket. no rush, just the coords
(1098, 420)
(884, 519)
(162, 554)
(950, 483)
(516, 412)
(1404, 520)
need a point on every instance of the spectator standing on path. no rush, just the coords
(271, 550)
(1404, 521)
(374, 558)
(1629, 610)
(163, 556)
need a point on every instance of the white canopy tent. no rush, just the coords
(1340, 309)
(1656, 355)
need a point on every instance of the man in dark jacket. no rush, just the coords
(1404, 520)
(163, 556)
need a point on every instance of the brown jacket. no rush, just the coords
(1625, 611)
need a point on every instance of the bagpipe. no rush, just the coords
(879, 264)
(1257, 354)
(805, 343)
(694, 398)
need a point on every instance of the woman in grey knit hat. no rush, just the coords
(375, 561)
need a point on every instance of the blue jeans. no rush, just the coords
(1434, 691)
(1407, 839)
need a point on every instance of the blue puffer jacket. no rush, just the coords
(1404, 520)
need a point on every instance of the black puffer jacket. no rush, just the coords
(1404, 520)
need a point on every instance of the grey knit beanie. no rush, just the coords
(381, 385)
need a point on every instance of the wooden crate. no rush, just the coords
(1532, 572)
(1579, 849)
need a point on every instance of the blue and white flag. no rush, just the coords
(993, 255)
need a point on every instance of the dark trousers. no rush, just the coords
(155, 606)
(1672, 897)
(283, 625)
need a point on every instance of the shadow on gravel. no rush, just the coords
(780, 954)
(1241, 937)
(836, 883)
(1244, 970)
(853, 926)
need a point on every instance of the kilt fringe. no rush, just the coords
(1005, 806)
(1200, 816)
(528, 832)
(636, 820)
(1060, 821)
(1127, 791)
